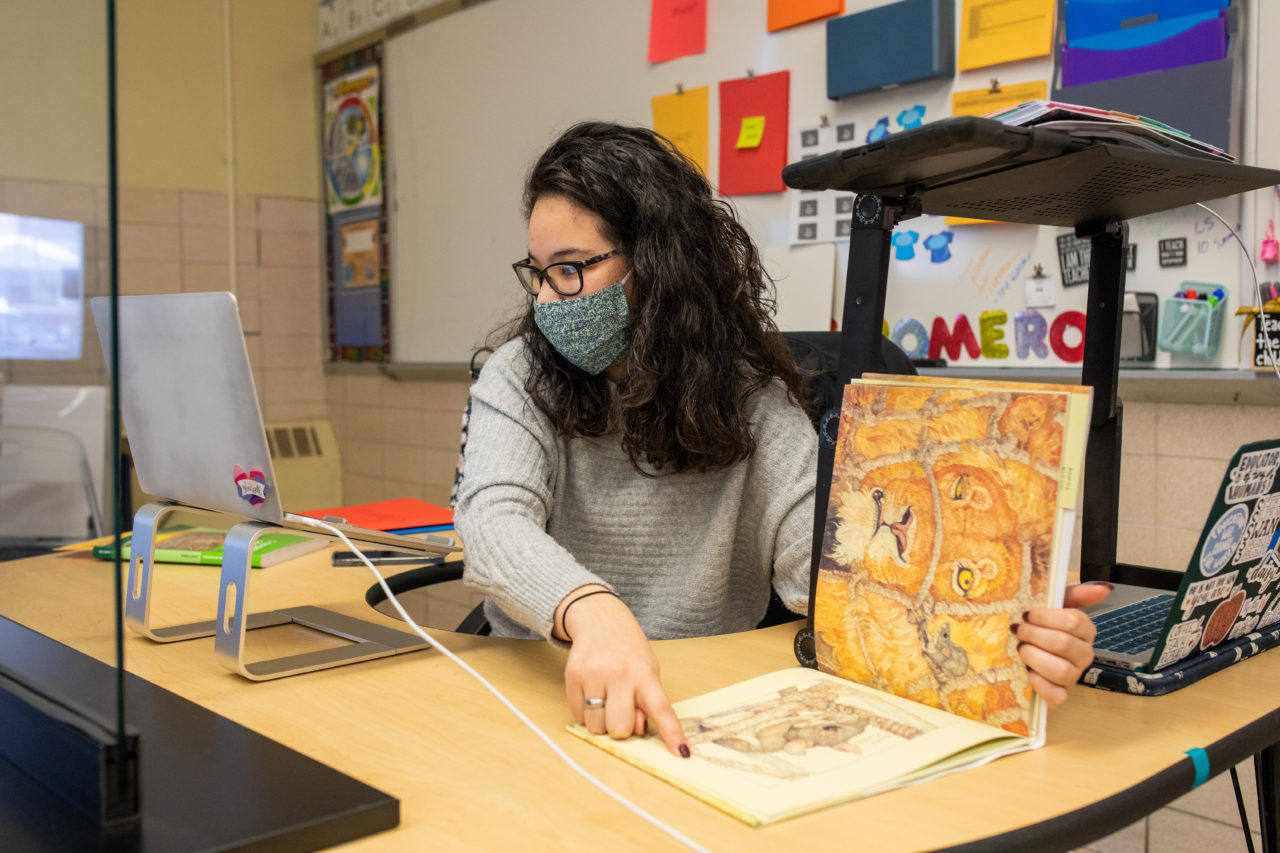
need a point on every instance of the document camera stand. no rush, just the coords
(980, 168)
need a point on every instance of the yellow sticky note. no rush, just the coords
(752, 132)
(684, 118)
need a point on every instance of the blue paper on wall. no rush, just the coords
(898, 43)
(1086, 18)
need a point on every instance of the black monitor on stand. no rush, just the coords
(980, 168)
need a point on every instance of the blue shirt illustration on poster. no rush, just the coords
(939, 246)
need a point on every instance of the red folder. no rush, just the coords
(389, 515)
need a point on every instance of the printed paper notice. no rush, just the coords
(995, 31)
(685, 119)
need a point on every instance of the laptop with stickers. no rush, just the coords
(1230, 587)
(188, 404)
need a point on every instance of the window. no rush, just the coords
(41, 287)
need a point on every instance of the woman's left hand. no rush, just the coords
(1056, 643)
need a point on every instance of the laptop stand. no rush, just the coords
(1093, 188)
(368, 640)
(137, 603)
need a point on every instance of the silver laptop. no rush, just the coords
(189, 407)
(1231, 585)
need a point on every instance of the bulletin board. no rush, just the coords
(473, 97)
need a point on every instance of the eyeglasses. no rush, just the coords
(565, 277)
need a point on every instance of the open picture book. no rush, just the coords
(951, 513)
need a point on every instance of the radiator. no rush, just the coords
(308, 466)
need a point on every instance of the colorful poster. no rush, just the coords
(356, 250)
(352, 140)
(684, 117)
(758, 169)
(677, 28)
(791, 13)
(995, 31)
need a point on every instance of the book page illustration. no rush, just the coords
(940, 534)
(776, 736)
(797, 739)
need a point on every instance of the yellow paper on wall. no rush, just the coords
(980, 102)
(995, 31)
(684, 118)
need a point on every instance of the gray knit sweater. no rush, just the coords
(691, 554)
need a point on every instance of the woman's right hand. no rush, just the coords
(610, 659)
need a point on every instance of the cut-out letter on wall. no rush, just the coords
(989, 323)
(951, 340)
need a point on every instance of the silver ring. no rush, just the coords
(593, 703)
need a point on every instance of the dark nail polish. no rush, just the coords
(1026, 615)
(1013, 627)
(684, 750)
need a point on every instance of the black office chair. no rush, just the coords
(817, 352)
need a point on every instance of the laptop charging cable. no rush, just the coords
(435, 644)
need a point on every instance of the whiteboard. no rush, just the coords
(472, 98)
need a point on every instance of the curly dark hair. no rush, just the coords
(702, 339)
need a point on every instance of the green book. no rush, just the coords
(203, 546)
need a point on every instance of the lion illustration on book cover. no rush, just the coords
(939, 535)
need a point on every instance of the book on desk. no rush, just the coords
(951, 511)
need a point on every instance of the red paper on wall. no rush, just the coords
(744, 171)
(677, 28)
(790, 13)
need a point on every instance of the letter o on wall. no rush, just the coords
(911, 328)
(1057, 336)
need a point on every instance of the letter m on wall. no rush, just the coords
(941, 338)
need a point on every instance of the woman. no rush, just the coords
(639, 464)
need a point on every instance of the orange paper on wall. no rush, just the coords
(790, 13)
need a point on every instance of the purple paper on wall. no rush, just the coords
(1204, 42)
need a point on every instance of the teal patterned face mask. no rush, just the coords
(590, 331)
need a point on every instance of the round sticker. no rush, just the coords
(1221, 542)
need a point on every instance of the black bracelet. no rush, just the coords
(564, 629)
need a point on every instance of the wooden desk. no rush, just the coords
(469, 776)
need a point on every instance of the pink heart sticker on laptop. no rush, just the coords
(252, 485)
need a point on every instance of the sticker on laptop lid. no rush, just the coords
(252, 485)
(1260, 532)
(1254, 475)
(1222, 540)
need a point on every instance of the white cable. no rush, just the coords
(1257, 288)
(391, 596)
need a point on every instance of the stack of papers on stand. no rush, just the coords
(1108, 126)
